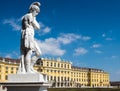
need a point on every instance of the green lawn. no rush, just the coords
(83, 89)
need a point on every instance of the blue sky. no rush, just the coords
(85, 32)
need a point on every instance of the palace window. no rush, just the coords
(58, 65)
(54, 64)
(65, 78)
(58, 78)
(11, 68)
(41, 63)
(61, 65)
(47, 70)
(11, 71)
(47, 63)
(65, 65)
(77, 79)
(6, 71)
(68, 66)
(61, 78)
(6, 68)
(6, 77)
(51, 64)
(48, 78)
(74, 79)
(68, 78)
(55, 78)
(51, 70)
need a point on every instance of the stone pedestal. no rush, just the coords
(28, 77)
(30, 86)
(27, 82)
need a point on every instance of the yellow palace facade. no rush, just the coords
(60, 73)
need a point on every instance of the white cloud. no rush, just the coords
(8, 56)
(118, 72)
(78, 63)
(16, 54)
(86, 38)
(108, 36)
(80, 51)
(52, 46)
(109, 39)
(14, 23)
(41, 24)
(12, 54)
(43, 29)
(98, 51)
(68, 38)
(47, 30)
(104, 35)
(114, 57)
(96, 45)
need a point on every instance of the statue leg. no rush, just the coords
(28, 61)
(21, 68)
(22, 64)
(34, 59)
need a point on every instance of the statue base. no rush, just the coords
(30, 86)
(28, 77)
(26, 82)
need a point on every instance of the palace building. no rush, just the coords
(59, 72)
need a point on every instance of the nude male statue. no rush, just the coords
(28, 45)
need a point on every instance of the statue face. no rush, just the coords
(35, 13)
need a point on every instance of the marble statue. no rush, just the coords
(30, 51)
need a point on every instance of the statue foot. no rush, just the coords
(34, 71)
(30, 71)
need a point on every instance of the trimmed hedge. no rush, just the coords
(83, 89)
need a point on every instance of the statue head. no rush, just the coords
(35, 7)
